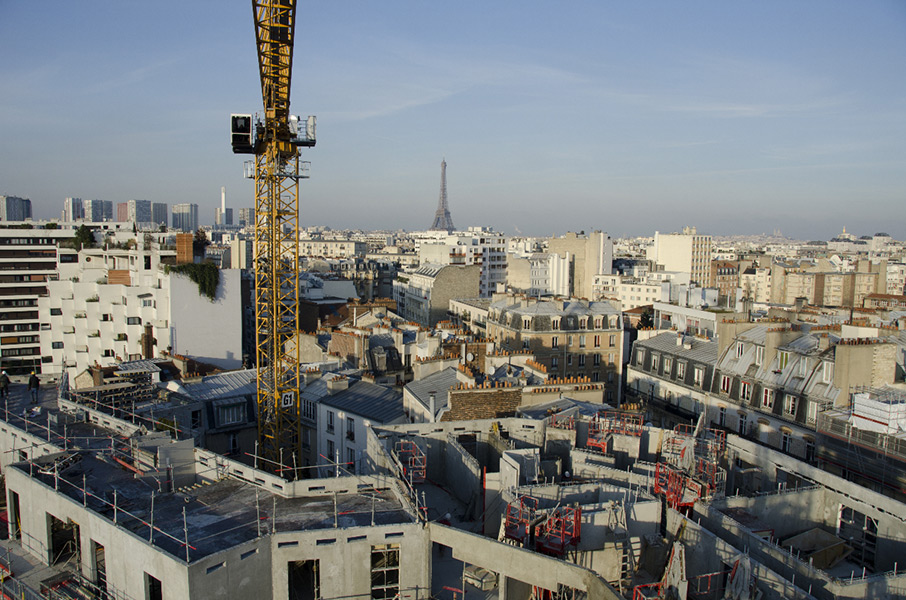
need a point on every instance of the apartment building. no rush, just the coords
(28, 262)
(571, 338)
(687, 252)
(110, 305)
(478, 246)
(185, 217)
(13, 208)
(588, 255)
(424, 295)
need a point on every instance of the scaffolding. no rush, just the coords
(559, 531)
(562, 422)
(608, 423)
(520, 515)
(413, 460)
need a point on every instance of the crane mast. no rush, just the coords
(276, 169)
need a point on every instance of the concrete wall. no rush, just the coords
(529, 567)
(208, 331)
(344, 556)
(463, 473)
(706, 553)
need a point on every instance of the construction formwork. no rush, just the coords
(413, 460)
(520, 515)
(608, 423)
(561, 529)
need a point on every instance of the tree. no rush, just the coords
(51, 226)
(200, 242)
(84, 238)
(646, 321)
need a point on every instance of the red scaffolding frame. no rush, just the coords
(414, 461)
(562, 422)
(680, 490)
(519, 516)
(562, 529)
(606, 423)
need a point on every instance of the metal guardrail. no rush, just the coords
(888, 445)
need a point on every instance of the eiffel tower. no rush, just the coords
(442, 219)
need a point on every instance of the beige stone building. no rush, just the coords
(571, 338)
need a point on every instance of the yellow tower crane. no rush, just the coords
(275, 142)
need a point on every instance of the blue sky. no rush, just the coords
(737, 117)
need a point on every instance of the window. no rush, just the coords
(722, 416)
(146, 302)
(668, 364)
(234, 443)
(609, 376)
(767, 399)
(790, 405)
(725, 382)
(196, 419)
(331, 450)
(350, 459)
(350, 429)
(655, 360)
(569, 341)
(786, 442)
(681, 370)
(555, 324)
(599, 322)
(783, 358)
(699, 375)
(330, 423)
(597, 341)
(613, 339)
(133, 321)
(596, 376)
(583, 323)
(554, 362)
(569, 359)
(828, 371)
(555, 342)
(56, 312)
(803, 367)
(812, 415)
(526, 323)
(739, 349)
(525, 343)
(581, 341)
(596, 360)
(742, 423)
(640, 357)
(231, 414)
(56, 345)
(809, 451)
(745, 391)
(385, 571)
(759, 355)
(581, 360)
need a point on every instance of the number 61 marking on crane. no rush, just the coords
(288, 400)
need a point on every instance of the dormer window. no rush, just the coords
(759, 355)
(526, 322)
(739, 349)
(555, 323)
(783, 358)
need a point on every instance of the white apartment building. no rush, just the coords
(344, 248)
(756, 283)
(121, 304)
(549, 274)
(687, 252)
(478, 246)
(630, 291)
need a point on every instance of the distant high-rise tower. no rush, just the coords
(442, 219)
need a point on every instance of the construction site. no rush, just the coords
(566, 500)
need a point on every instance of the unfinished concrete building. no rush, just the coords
(570, 501)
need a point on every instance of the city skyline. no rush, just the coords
(630, 119)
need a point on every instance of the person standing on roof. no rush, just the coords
(33, 386)
(4, 385)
